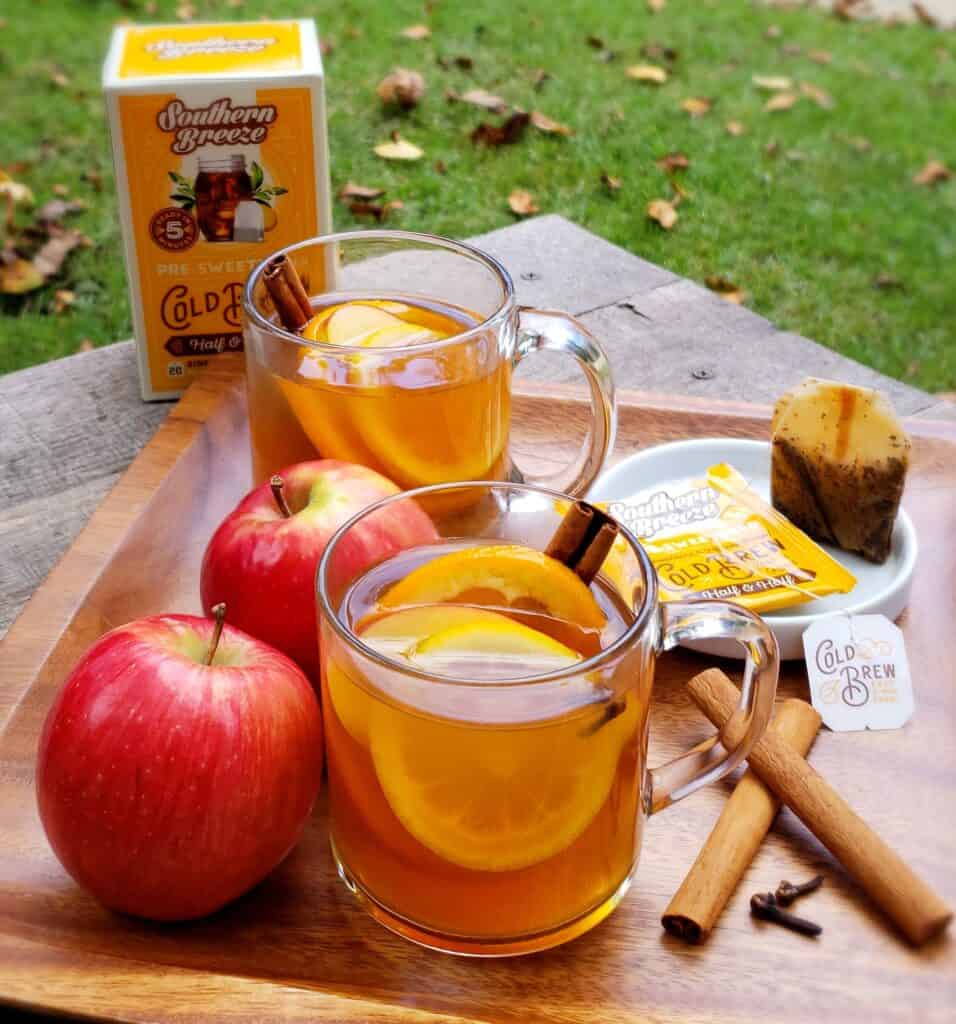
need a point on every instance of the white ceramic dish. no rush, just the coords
(880, 589)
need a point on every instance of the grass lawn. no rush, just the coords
(803, 229)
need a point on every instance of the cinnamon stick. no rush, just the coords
(583, 539)
(906, 899)
(736, 838)
(288, 294)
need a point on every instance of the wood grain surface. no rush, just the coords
(298, 948)
(70, 427)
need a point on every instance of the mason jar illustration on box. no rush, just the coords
(231, 203)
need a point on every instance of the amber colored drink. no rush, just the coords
(403, 398)
(470, 814)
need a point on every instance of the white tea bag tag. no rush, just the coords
(859, 676)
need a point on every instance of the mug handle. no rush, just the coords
(541, 331)
(721, 753)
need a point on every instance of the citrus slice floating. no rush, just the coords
(495, 798)
(395, 635)
(500, 575)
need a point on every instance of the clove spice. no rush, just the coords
(787, 892)
(764, 906)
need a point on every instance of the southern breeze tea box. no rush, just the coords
(219, 143)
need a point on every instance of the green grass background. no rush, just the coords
(804, 235)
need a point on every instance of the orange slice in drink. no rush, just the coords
(495, 797)
(500, 575)
(395, 634)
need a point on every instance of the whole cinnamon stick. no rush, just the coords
(583, 539)
(736, 838)
(906, 899)
(288, 293)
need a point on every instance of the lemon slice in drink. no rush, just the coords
(500, 575)
(502, 797)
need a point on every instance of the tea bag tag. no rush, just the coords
(858, 672)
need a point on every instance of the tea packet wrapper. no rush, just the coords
(713, 536)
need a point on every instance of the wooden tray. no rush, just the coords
(297, 948)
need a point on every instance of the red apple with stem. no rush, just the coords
(263, 557)
(178, 765)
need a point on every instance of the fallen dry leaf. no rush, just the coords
(820, 56)
(662, 211)
(655, 6)
(416, 32)
(725, 288)
(773, 32)
(611, 183)
(59, 77)
(549, 126)
(647, 73)
(94, 178)
(780, 101)
(673, 162)
(924, 15)
(735, 128)
(186, 12)
(380, 211)
(15, 191)
(19, 276)
(522, 203)
(885, 281)
(658, 51)
(326, 46)
(819, 96)
(85, 346)
(235, 3)
(350, 190)
(54, 210)
(49, 258)
(505, 134)
(402, 88)
(482, 98)
(61, 190)
(398, 148)
(792, 49)
(772, 83)
(63, 298)
(680, 193)
(697, 106)
(933, 173)
(847, 10)
(772, 148)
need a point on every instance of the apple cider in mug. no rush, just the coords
(220, 152)
(421, 417)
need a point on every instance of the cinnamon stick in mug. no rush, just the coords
(891, 883)
(583, 539)
(288, 294)
(736, 838)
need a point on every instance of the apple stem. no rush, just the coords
(277, 483)
(219, 611)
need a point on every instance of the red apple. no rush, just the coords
(168, 787)
(262, 560)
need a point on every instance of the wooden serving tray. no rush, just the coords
(297, 948)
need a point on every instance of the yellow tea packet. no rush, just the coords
(714, 537)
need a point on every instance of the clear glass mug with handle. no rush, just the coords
(422, 406)
(486, 717)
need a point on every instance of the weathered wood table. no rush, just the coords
(69, 428)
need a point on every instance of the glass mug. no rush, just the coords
(492, 814)
(423, 413)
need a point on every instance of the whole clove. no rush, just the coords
(787, 892)
(763, 905)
